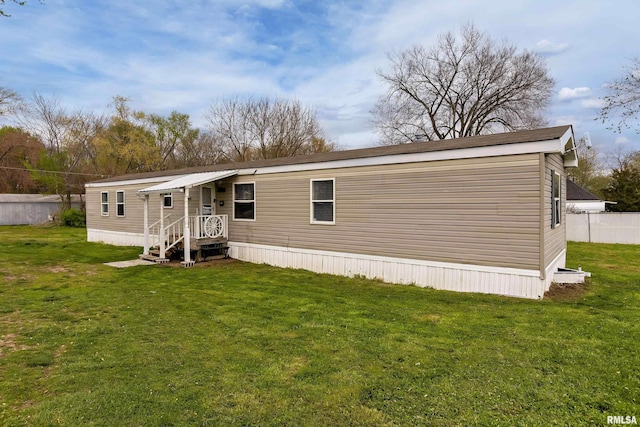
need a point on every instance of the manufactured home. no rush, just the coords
(478, 214)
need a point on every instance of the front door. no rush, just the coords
(208, 205)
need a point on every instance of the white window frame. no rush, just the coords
(234, 201)
(312, 201)
(123, 203)
(164, 200)
(103, 204)
(556, 202)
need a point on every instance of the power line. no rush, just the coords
(59, 172)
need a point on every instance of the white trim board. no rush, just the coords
(133, 181)
(550, 146)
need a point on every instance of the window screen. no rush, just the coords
(322, 201)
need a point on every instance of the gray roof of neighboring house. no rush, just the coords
(417, 147)
(29, 198)
(576, 192)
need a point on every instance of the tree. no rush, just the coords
(622, 102)
(18, 2)
(67, 162)
(17, 149)
(263, 129)
(9, 101)
(125, 145)
(174, 138)
(202, 151)
(462, 86)
(590, 173)
(624, 184)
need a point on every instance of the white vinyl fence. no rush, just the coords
(604, 227)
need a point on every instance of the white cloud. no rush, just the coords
(547, 47)
(593, 103)
(622, 140)
(182, 55)
(567, 93)
(565, 120)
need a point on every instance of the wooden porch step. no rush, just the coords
(156, 252)
(205, 241)
(154, 258)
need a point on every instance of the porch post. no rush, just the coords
(187, 233)
(162, 238)
(146, 225)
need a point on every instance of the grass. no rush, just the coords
(239, 344)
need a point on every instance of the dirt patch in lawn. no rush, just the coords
(565, 291)
(8, 342)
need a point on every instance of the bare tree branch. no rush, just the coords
(264, 129)
(462, 86)
(622, 102)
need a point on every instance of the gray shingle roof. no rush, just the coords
(576, 192)
(416, 147)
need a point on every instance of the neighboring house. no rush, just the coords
(23, 209)
(580, 200)
(479, 214)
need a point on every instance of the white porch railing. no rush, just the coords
(212, 226)
(174, 233)
(200, 226)
(154, 230)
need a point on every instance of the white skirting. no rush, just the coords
(559, 262)
(438, 275)
(117, 238)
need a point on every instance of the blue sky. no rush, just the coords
(184, 55)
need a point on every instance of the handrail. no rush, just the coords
(154, 230)
(176, 231)
(200, 226)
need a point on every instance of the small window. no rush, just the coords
(556, 199)
(119, 203)
(168, 200)
(244, 202)
(323, 206)
(104, 203)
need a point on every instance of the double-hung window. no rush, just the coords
(556, 199)
(104, 203)
(244, 201)
(119, 203)
(323, 201)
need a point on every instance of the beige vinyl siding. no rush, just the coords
(554, 238)
(477, 211)
(133, 220)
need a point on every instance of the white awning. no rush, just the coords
(188, 181)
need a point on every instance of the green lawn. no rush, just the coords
(231, 344)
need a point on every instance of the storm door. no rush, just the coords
(208, 202)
